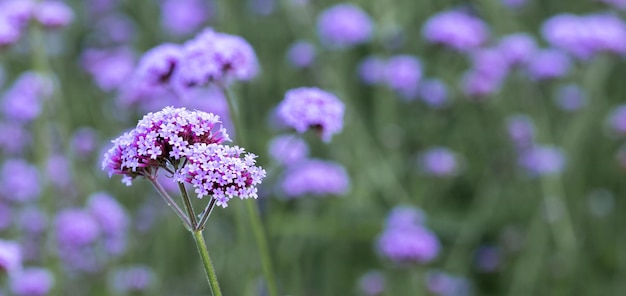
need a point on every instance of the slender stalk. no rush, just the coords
(252, 207)
(206, 261)
(191, 213)
(205, 214)
(170, 202)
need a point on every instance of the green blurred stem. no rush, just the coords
(528, 267)
(191, 213)
(206, 261)
(252, 207)
(170, 202)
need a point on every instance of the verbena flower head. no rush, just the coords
(405, 216)
(372, 283)
(344, 25)
(488, 258)
(402, 74)
(442, 284)
(542, 160)
(434, 93)
(112, 219)
(10, 257)
(457, 30)
(59, 172)
(84, 141)
(110, 68)
(517, 48)
(115, 28)
(478, 85)
(521, 130)
(372, 69)
(310, 107)
(53, 14)
(571, 98)
(18, 12)
(405, 241)
(6, 215)
(32, 282)
(181, 17)
(16, 137)
(10, 32)
(439, 162)
(301, 54)
(19, 181)
(33, 221)
(189, 143)
(157, 65)
(548, 64)
(315, 177)
(288, 149)
(23, 101)
(213, 57)
(130, 279)
(76, 228)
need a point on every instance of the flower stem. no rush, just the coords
(206, 261)
(205, 214)
(191, 213)
(170, 202)
(252, 207)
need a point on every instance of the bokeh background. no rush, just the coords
(504, 155)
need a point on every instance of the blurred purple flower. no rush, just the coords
(618, 4)
(478, 85)
(439, 162)
(372, 70)
(9, 32)
(59, 171)
(288, 149)
(490, 64)
(110, 68)
(182, 17)
(517, 48)
(115, 28)
(19, 181)
(6, 215)
(18, 12)
(84, 141)
(112, 218)
(405, 216)
(136, 278)
(315, 177)
(262, 7)
(372, 283)
(301, 54)
(521, 131)
(10, 257)
(408, 244)
(488, 258)
(617, 120)
(548, 64)
(53, 14)
(32, 282)
(571, 97)
(157, 65)
(310, 107)
(76, 228)
(344, 25)
(23, 101)
(15, 137)
(402, 74)
(542, 160)
(434, 93)
(443, 284)
(33, 220)
(456, 29)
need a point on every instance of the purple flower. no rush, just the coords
(6, 215)
(19, 181)
(402, 74)
(32, 282)
(488, 258)
(262, 7)
(571, 97)
(315, 177)
(53, 14)
(157, 65)
(301, 54)
(457, 30)
(443, 284)
(76, 228)
(288, 149)
(439, 162)
(215, 57)
(18, 12)
(405, 216)
(478, 85)
(10, 257)
(542, 160)
(548, 64)
(372, 70)
(110, 68)
(132, 279)
(181, 17)
(310, 107)
(617, 120)
(33, 220)
(409, 244)
(518, 48)
(59, 171)
(372, 283)
(344, 25)
(114, 28)
(514, 4)
(434, 93)
(23, 101)
(112, 218)
(9, 31)
(84, 141)
(521, 131)
(16, 138)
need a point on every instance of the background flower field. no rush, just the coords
(459, 148)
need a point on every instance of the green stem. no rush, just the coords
(252, 207)
(170, 202)
(206, 261)
(191, 213)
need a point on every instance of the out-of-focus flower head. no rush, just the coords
(16, 137)
(33, 221)
(548, 64)
(23, 101)
(114, 28)
(110, 68)
(10, 257)
(112, 218)
(434, 93)
(135, 278)
(406, 239)
(618, 4)
(542, 160)
(585, 36)
(490, 63)
(521, 130)
(439, 162)
(157, 65)
(53, 14)
(442, 284)
(571, 98)
(32, 282)
(18, 12)
(402, 74)
(488, 258)
(182, 17)
(262, 7)
(10, 33)
(310, 107)
(371, 70)
(288, 149)
(301, 54)
(457, 30)
(372, 283)
(617, 120)
(517, 48)
(344, 25)
(84, 141)
(6, 215)
(405, 216)
(315, 177)
(76, 228)
(59, 172)
(478, 85)
(19, 181)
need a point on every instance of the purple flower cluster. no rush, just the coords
(372, 283)
(310, 107)
(110, 68)
(439, 162)
(10, 257)
(130, 279)
(371, 69)
(570, 98)
(521, 131)
(406, 239)
(549, 64)
(23, 101)
(113, 220)
(182, 17)
(344, 25)
(618, 4)
(301, 54)
(16, 14)
(457, 30)
(442, 284)
(288, 149)
(542, 160)
(315, 177)
(617, 120)
(401, 73)
(19, 181)
(32, 282)
(517, 48)
(585, 36)
(188, 144)
(434, 93)
(489, 69)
